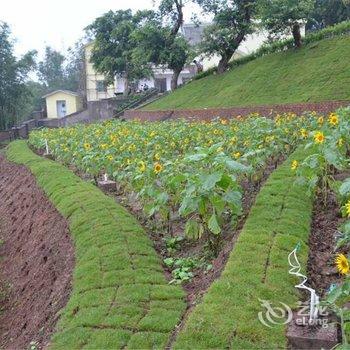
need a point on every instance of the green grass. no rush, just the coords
(120, 297)
(257, 269)
(317, 72)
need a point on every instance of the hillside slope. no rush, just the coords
(319, 71)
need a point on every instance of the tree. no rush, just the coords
(75, 68)
(51, 71)
(159, 41)
(114, 44)
(232, 22)
(14, 93)
(176, 49)
(283, 16)
(157, 45)
(327, 13)
(56, 71)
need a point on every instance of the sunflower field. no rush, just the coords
(191, 170)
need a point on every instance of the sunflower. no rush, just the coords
(157, 168)
(319, 137)
(320, 120)
(340, 142)
(303, 133)
(110, 158)
(142, 166)
(87, 146)
(294, 165)
(333, 119)
(236, 155)
(347, 208)
(342, 264)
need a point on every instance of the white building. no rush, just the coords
(97, 89)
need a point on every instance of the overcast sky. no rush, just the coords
(59, 23)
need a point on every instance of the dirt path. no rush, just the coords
(37, 259)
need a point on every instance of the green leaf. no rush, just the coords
(332, 157)
(347, 227)
(225, 182)
(209, 181)
(188, 206)
(192, 229)
(334, 295)
(237, 166)
(196, 157)
(344, 189)
(213, 225)
(218, 203)
(169, 262)
(234, 198)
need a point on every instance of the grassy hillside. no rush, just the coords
(319, 71)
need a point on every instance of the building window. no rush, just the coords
(101, 86)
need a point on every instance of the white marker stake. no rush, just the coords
(105, 177)
(47, 147)
(295, 270)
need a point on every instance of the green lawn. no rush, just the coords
(120, 297)
(320, 71)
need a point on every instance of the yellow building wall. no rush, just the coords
(92, 77)
(73, 103)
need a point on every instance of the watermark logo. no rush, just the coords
(281, 314)
(274, 314)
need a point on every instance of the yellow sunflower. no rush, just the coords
(294, 165)
(87, 146)
(304, 133)
(347, 208)
(157, 168)
(142, 166)
(342, 264)
(319, 137)
(333, 119)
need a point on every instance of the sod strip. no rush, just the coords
(257, 269)
(120, 297)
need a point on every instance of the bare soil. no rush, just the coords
(37, 259)
(326, 221)
(322, 273)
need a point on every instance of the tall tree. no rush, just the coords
(51, 71)
(14, 93)
(75, 68)
(327, 13)
(232, 22)
(157, 44)
(285, 16)
(175, 50)
(113, 48)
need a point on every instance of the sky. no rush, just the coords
(58, 23)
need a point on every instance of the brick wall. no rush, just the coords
(210, 113)
(21, 131)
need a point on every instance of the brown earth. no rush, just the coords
(37, 258)
(326, 221)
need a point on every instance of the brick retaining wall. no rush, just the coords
(209, 113)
